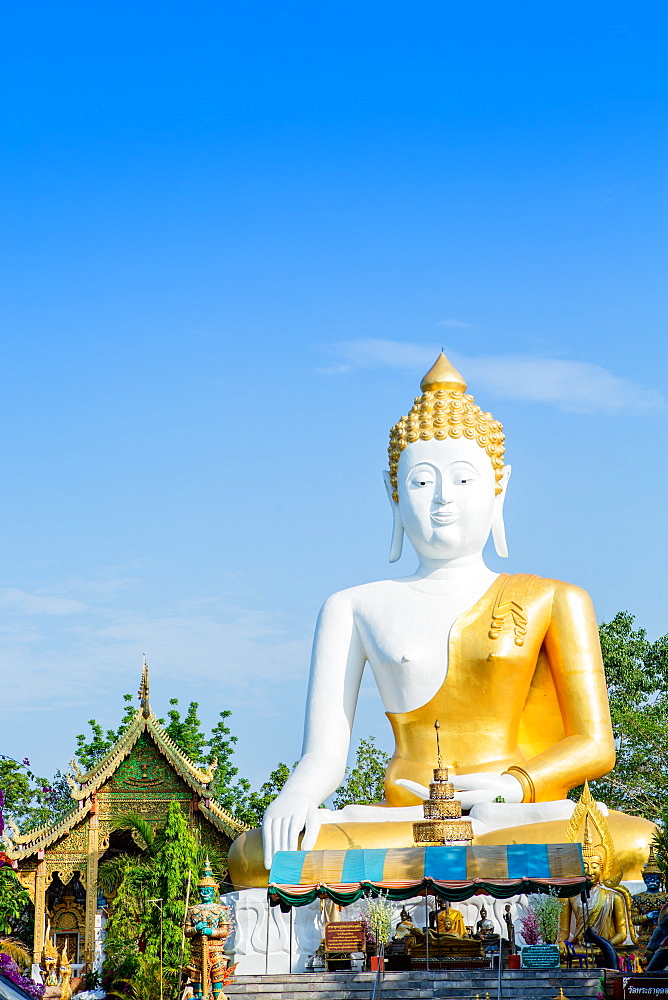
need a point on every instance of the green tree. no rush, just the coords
(661, 842)
(14, 901)
(187, 732)
(365, 782)
(141, 885)
(31, 801)
(92, 749)
(174, 859)
(251, 806)
(637, 676)
(226, 786)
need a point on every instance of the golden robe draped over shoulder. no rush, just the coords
(525, 693)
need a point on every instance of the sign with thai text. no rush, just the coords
(541, 956)
(645, 987)
(346, 936)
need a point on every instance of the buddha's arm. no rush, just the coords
(619, 920)
(565, 922)
(337, 664)
(588, 749)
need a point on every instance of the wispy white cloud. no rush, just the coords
(456, 324)
(238, 654)
(571, 386)
(22, 603)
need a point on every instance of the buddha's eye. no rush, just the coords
(463, 474)
(421, 478)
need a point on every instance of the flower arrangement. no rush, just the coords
(10, 970)
(547, 908)
(370, 939)
(378, 912)
(530, 931)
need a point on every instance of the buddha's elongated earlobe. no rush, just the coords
(397, 542)
(498, 524)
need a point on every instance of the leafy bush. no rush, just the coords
(547, 910)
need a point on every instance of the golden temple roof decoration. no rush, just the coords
(144, 690)
(85, 785)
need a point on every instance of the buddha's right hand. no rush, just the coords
(283, 822)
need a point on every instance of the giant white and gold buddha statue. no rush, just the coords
(510, 664)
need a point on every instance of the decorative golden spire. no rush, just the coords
(442, 375)
(651, 866)
(207, 878)
(144, 690)
(437, 726)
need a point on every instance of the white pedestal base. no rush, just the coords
(292, 948)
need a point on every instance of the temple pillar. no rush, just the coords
(40, 909)
(91, 885)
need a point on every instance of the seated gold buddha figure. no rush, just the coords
(509, 663)
(608, 904)
(405, 927)
(447, 920)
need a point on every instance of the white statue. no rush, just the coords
(524, 713)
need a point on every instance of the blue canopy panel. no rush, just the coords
(451, 872)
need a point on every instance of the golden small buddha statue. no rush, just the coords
(608, 904)
(509, 663)
(449, 921)
(405, 927)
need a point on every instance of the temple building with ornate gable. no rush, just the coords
(58, 864)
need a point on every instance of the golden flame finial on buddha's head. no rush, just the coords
(446, 410)
(594, 857)
(442, 375)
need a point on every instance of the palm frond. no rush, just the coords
(216, 860)
(112, 872)
(16, 950)
(137, 824)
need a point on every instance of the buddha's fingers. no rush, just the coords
(421, 791)
(473, 782)
(469, 799)
(311, 830)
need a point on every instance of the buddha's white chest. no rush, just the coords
(406, 634)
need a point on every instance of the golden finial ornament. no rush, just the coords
(442, 375)
(437, 726)
(143, 693)
(560, 994)
(445, 410)
(651, 866)
(442, 823)
(207, 878)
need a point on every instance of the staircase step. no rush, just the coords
(577, 984)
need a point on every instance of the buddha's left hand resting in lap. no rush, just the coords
(510, 665)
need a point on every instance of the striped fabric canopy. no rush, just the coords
(453, 873)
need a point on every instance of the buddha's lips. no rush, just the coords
(445, 518)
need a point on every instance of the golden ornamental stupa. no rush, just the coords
(442, 823)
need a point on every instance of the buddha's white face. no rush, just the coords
(446, 497)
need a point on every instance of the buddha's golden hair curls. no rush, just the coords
(446, 412)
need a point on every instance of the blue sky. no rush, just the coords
(234, 237)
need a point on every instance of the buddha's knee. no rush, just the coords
(246, 861)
